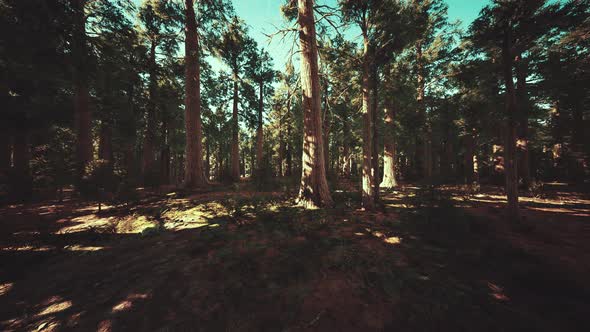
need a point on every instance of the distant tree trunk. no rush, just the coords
(165, 155)
(522, 102)
(510, 165)
(314, 186)
(368, 187)
(281, 146)
(389, 164)
(105, 143)
(347, 160)
(219, 162)
(374, 88)
(289, 147)
(193, 172)
(424, 149)
(149, 139)
(83, 117)
(235, 144)
(208, 159)
(326, 130)
(259, 132)
(469, 157)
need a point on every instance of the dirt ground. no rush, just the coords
(235, 260)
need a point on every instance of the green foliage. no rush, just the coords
(53, 164)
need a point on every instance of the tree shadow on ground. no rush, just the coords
(265, 264)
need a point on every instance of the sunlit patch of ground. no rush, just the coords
(268, 265)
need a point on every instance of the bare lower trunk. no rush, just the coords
(510, 166)
(389, 165)
(193, 171)
(314, 186)
(235, 143)
(367, 186)
(81, 95)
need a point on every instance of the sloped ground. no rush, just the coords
(430, 260)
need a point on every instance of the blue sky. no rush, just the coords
(264, 16)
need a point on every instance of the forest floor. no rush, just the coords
(238, 260)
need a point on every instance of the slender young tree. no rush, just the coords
(233, 48)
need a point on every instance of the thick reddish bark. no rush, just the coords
(193, 170)
(510, 165)
(314, 186)
(83, 119)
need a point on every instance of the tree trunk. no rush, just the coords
(149, 139)
(289, 147)
(235, 144)
(469, 157)
(368, 187)
(510, 165)
(208, 159)
(314, 186)
(281, 146)
(165, 155)
(326, 130)
(193, 172)
(259, 132)
(83, 117)
(374, 89)
(347, 134)
(424, 148)
(389, 165)
(522, 101)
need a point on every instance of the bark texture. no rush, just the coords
(193, 171)
(314, 186)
